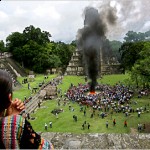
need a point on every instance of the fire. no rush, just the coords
(92, 92)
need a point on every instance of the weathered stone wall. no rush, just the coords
(98, 141)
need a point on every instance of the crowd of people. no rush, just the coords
(107, 99)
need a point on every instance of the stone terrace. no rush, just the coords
(98, 141)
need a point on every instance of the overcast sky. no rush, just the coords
(63, 18)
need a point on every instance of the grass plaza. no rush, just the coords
(64, 122)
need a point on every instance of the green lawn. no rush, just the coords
(23, 91)
(113, 79)
(65, 122)
(67, 80)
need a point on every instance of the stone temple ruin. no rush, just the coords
(75, 66)
(108, 65)
(93, 47)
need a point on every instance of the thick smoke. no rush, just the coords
(132, 15)
(90, 39)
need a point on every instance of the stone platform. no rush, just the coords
(98, 141)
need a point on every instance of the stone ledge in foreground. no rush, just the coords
(98, 141)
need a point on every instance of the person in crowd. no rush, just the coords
(114, 122)
(15, 131)
(88, 126)
(139, 113)
(56, 115)
(125, 123)
(83, 126)
(106, 124)
(46, 126)
(39, 104)
(84, 112)
(50, 124)
(28, 116)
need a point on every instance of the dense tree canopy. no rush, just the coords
(33, 50)
(15, 40)
(135, 57)
(2, 46)
(115, 45)
(130, 54)
(36, 35)
(141, 71)
(132, 36)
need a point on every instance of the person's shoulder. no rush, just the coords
(15, 116)
(13, 119)
(15, 122)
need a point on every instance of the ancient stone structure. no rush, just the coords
(51, 91)
(8, 64)
(98, 141)
(76, 67)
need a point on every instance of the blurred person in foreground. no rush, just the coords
(15, 131)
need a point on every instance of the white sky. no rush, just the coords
(62, 19)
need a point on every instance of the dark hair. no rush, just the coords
(5, 89)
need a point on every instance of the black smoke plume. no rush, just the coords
(90, 39)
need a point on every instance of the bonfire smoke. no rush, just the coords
(90, 40)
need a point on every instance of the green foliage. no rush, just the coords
(33, 50)
(141, 71)
(135, 57)
(74, 43)
(132, 36)
(2, 46)
(115, 45)
(135, 37)
(60, 53)
(130, 54)
(36, 35)
(64, 53)
(15, 40)
(147, 35)
(28, 45)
